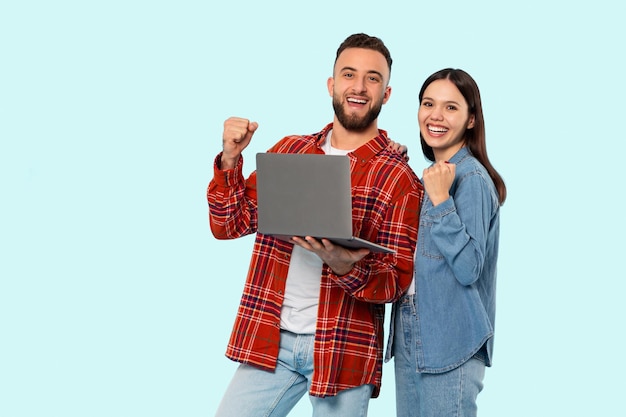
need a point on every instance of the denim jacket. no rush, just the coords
(455, 272)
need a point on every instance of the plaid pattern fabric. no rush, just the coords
(349, 338)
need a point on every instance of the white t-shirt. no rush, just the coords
(302, 290)
(411, 290)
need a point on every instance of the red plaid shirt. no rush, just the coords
(386, 200)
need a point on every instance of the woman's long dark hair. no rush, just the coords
(475, 137)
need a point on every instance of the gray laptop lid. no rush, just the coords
(307, 195)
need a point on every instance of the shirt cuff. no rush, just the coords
(227, 177)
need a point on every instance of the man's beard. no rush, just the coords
(353, 122)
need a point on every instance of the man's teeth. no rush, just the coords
(354, 100)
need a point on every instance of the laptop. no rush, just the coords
(307, 195)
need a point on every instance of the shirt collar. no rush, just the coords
(365, 152)
(459, 155)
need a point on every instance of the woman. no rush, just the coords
(442, 329)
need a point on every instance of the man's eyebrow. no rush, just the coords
(376, 72)
(355, 70)
(347, 69)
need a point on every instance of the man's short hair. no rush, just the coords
(361, 40)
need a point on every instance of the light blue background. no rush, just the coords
(115, 299)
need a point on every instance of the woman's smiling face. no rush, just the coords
(443, 117)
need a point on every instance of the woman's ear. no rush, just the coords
(470, 122)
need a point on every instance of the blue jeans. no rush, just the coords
(449, 394)
(257, 393)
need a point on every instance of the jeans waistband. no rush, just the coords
(406, 298)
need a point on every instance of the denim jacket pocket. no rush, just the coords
(425, 241)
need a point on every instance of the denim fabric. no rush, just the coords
(450, 394)
(455, 272)
(257, 393)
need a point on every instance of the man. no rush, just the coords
(312, 312)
